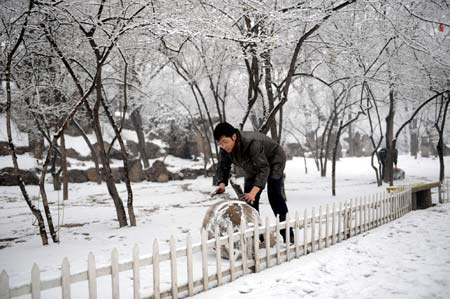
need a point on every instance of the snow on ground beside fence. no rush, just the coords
(161, 210)
(408, 258)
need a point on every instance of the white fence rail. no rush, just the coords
(313, 231)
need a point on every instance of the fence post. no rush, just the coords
(359, 227)
(305, 232)
(277, 245)
(333, 225)
(267, 241)
(350, 218)
(190, 271)
(288, 238)
(218, 257)
(243, 246)
(156, 270)
(448, 192)
(92, 276)
(136, 274)
(366, 213)
(115, 273)
(231, 251)
(339, 223)
(396, 206)
(403, 202)
(35, 282)
(313, 229)
(4, 285)
(327, 225)
(65, 279)
(204, 260)
(319, 241)
(173, 266)
(256, 244)
(297, 235)
(345, 221)
(377, 210)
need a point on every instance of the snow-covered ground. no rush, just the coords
(88, 224)
(407, 258)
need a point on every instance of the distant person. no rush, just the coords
(263, 161)
(382, 154)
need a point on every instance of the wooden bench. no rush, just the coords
(421, 193)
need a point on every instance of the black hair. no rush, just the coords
(224, 129)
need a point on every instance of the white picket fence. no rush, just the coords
(313, 231)
(444, 190)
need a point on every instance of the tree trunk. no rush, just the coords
(280, 126)
(120, 211)
(327, 146)
(321, 148)
(55, 173)
(414, 138)
(35, 211)
(351, 141)
(440, 145)
(124, 152)
(64, 168)
(390, 147)
(136, 120)
(268, 84)
(43, 193)
(93, 151)
(333, 161)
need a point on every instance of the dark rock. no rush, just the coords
(177, 176)
(5, 151)
(8, 178)
(190, 174)
(4, 148)
(77, 176)
(92, 174)
(135, 172)
(133, 148)
(20, 150)
(180, 148)
(117, 174)
(152, 150)
(113, 153)
(72, 153)
(157, 172)
(163, 178)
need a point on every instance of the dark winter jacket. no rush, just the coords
(257, 154)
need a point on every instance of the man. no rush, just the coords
(382, 153)
(263, 161)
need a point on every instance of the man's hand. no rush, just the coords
(250, 197)
(220, 189)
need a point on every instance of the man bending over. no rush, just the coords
(263, 161)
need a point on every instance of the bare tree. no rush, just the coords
(14, 40)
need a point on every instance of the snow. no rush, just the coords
(408, 258)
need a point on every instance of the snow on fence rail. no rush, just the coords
(313, 231)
